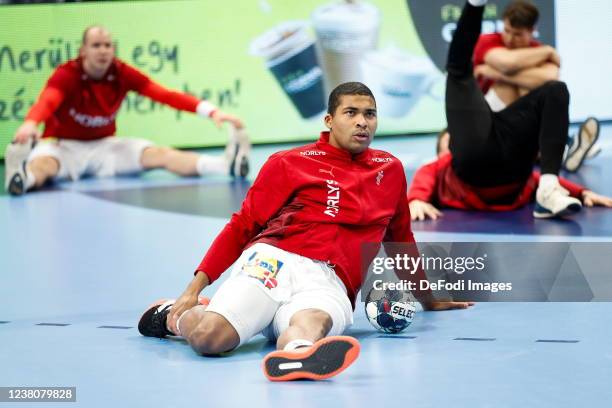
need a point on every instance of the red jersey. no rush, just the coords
(486, 43)
(76, 106)
(320, 202)
(437, 183)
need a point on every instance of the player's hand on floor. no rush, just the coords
(591, 199)
(437, 305)
(182, 304)
(220, 117)
(26, 132)
(421, 210)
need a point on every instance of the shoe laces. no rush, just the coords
(158, 321)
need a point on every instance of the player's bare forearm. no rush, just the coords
(510, 62)
(531, 78)
(197, 284)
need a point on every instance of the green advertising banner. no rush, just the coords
(271, 62)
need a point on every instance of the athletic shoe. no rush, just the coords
(237, 152)
(153, 322)
(594, 152)
(15, 157)
(581, 145)
(324, 359)
(555, 202)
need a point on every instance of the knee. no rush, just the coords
(213, 335)
(156, 156)
(157, 152)
(557, 90)
(47, 166)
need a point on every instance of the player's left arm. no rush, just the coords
(511, 61)
(527, 78)
(185, 102)
(141, 83)
(399, 232)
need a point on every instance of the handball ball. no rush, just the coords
(390, 311)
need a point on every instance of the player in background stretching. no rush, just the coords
(78, 107)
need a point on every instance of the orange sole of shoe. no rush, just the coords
(326, 358)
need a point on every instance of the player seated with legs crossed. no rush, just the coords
(513, 63)
(78, 107)
(295, 246)
(493, 153)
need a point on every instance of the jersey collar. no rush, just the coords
(110, 75)
(323, 144)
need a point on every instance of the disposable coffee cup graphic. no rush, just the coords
(435, 22)
(399, 80)
(290, 56)
(345, 31)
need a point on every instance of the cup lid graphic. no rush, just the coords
(397, 60)
(280, 39)
(343, 16)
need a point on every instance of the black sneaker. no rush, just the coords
(15, 158)
(153, 321)
(237, 152)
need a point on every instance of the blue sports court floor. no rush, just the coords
(81, 261)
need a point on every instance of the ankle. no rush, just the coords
(296, 344)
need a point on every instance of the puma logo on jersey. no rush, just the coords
(330, 171)
(333, 198)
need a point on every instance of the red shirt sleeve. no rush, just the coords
(399, 229)
(268, 194)
(399, 240)
(57, 87)
(48, 101)
(424, 183)
(175, 99)
(485, 44)
(141, 83)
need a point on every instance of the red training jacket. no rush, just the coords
(436, 182)
(320, 202)
(75, 106)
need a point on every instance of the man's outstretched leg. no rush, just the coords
(303, 351)
(234, 162)
(207, 333)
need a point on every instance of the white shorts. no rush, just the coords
(268, 286)
(105, 157)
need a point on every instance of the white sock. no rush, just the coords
(30, 179)
(477, 3)
(548, 181)
(208, 165)
(297, 343)
(178, 322)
